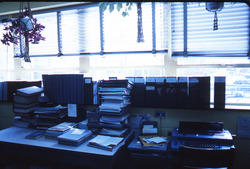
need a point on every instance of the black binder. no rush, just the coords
(160, 92)
(150, 92)
(182, 96)
(137, 92)
(96, 98)
(219, 92)
(194, 101)
(204, 90)
(171, 92)
(88, 91)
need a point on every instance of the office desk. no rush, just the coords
(149, 157)
(12, 141)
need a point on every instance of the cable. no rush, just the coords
(160, 124)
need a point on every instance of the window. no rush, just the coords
(214, 53)
(49, 47)
(122, 55)
(107, 44)
(6, 59)
(231, 38)
(81, 31)
(120, 33)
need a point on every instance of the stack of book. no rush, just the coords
(50, 116)
(24, 102)
(75, 137)
(57, 130)
(115, 103)
(106, 142)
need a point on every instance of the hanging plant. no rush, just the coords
(24, 26)
(119, 6)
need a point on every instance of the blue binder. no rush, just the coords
(138, 93)
(219, 92)
(88, 91)
(171, 92)
(182, 96)
(160, 92)
(194, 101)
(150, 92)
(204, 91)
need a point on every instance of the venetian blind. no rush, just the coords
(231, 38)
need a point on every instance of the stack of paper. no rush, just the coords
(112, 132)
(114, 121)
(106, 142)
(115, 96)
(55, 131)
(50, 116)
(75, 137)
(152, 141)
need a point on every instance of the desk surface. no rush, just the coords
(82, 154)
(17, 135)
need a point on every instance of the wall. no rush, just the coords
(10, 7)
(173, 116)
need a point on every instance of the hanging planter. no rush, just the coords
(214, 7)
(26, 23)
(25, 26)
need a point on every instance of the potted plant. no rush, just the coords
(25, 26)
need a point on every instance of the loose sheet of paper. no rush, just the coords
(72, 112)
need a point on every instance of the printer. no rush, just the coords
(201, 135)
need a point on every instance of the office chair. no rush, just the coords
(206, 158)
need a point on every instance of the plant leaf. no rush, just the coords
(119, 6)
(111, 8)
(103, 5)
(124, 13)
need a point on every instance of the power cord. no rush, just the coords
(160, 124)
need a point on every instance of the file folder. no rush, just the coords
(88, 91)
(194, 101)
(96, 99)
(182, 96)
(204, 90)
(160, 93)
(137, 93)
(150, 92)
(171, 92)
(219, 92)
